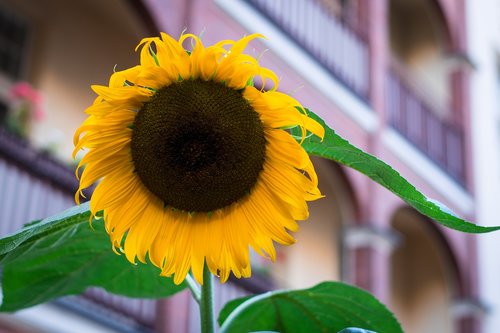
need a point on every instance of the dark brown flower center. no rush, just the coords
(198, 145)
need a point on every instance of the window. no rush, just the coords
(13, 37)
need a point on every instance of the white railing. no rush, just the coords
(333, 42)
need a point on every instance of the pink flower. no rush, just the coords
(38, 113)
(24, 91)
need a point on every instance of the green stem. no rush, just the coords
(193, 286)
(207, 302)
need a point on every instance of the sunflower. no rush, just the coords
(194, 164)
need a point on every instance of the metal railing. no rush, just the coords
(340, 48)
(33, 185)
(414, 118)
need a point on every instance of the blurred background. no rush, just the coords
(414, 82)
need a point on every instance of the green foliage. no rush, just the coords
(63, 255)
(327, 307)
(336, 148)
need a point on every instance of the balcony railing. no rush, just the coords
(341, 49)
(34, 186)
(414, 118)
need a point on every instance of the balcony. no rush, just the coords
(34, 186)
(335, 39)
(414, 117)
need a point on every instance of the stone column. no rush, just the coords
(368, 250)
(468, 313)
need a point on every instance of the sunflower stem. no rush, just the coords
(207, 302)
(193, 286)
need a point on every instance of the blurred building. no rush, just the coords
(392, 76)
(483, 30)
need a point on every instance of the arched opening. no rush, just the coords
(318, 254)
(419, 42)
(424, 278)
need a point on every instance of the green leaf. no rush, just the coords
(336, 148)
(63, 255)
(327, 307)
